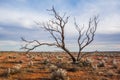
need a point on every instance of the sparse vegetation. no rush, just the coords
(53, 70)
(59, 74)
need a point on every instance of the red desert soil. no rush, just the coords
(40, 71)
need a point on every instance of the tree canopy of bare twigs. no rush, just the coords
(56, 28)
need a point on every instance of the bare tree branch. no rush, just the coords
(35, 46)
(88, 37)
(56, 28)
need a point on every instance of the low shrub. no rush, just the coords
(73, 69)
(59, 74)
(53, 68)
(101, 64)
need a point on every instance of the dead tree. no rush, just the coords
(56, 28)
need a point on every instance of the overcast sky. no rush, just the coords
(17, 19)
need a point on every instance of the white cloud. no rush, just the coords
(110, 24)
(9, 45)
(8, 42)
(100, 46)
(109, 15)
(21, 18)
(107, 9)
(104, 46)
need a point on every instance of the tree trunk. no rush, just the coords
(72, 57)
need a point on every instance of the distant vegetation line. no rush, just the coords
(63, 51)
